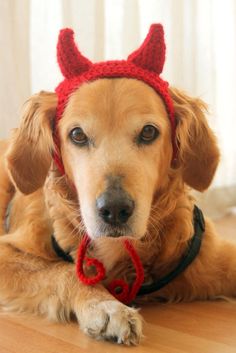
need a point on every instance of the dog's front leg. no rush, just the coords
(32, 284)
(103, 317)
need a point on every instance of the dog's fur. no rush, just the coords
(112, 112)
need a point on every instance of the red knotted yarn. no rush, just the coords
(90, 262)
(118, 287)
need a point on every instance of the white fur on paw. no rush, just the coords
(111, 320)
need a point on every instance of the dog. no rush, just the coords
(120, 181)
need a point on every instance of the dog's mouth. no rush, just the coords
(115, 231)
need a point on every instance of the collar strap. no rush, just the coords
(64, 255)
(187, 259)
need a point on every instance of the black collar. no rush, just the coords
(187, 259)
(60, 252)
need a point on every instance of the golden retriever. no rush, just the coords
(111, 119)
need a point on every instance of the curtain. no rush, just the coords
(15, 85)
(201, 57)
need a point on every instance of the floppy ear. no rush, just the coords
(198, 154)
(29, 155)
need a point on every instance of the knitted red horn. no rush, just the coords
(71, 61)
(151, 54)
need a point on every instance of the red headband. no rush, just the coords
(144, 64)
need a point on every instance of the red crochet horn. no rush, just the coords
(71, 61)
(151, 54)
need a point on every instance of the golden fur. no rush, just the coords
(112, 111)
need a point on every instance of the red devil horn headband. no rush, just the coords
(150, 55)
(72, 63)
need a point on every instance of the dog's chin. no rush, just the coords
(114, 232)
(118, 232)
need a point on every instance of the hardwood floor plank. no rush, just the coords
(209, 320)
(167, 339)
(175, 328)
(21, 339)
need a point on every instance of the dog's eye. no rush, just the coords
(78, 136)
(148, 134)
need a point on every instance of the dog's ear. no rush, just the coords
(198, 154)
(29, 155)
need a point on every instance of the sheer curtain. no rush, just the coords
(201, 57)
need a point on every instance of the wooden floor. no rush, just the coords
(200, 327)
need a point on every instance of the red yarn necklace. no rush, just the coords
(119, 288)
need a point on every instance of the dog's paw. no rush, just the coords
(112, 321)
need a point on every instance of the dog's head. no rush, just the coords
(116, 148)
(116, 145)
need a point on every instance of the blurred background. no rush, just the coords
(201, 59)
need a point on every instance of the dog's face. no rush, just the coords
(116, 147)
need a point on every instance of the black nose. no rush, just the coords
(115, 206)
